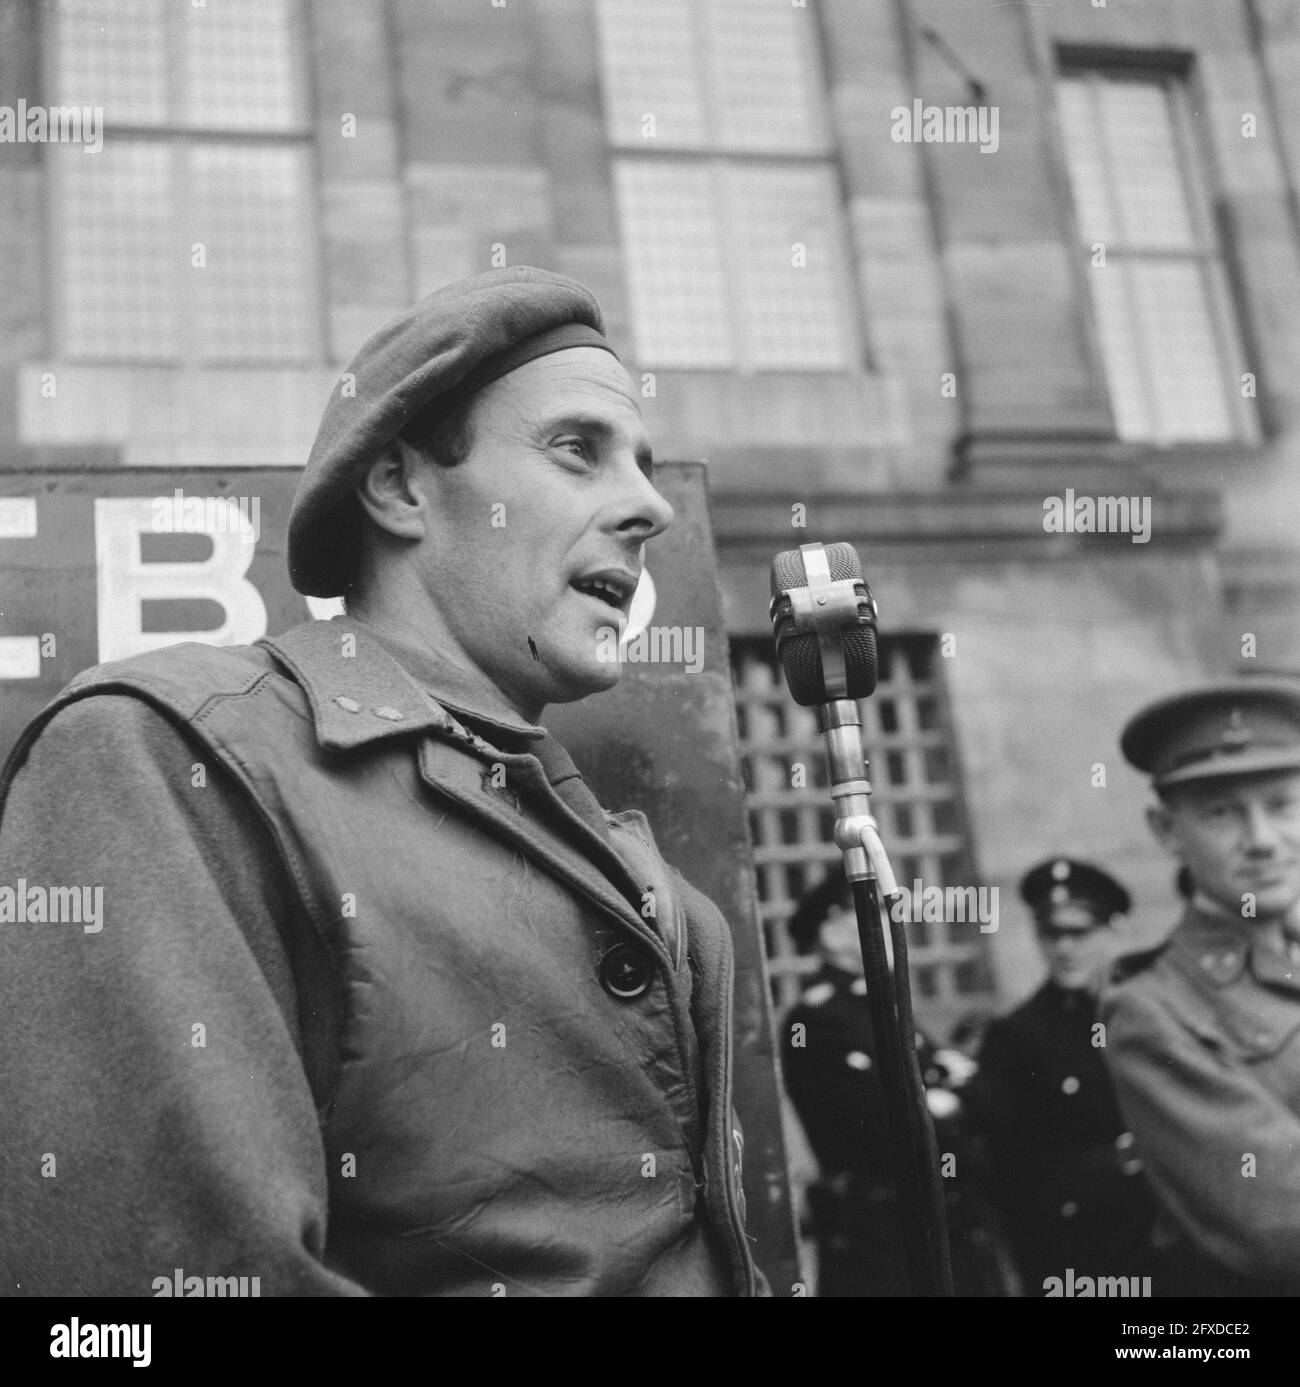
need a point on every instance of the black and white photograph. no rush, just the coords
(650, 648)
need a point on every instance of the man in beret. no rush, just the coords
(383, 1001)
(1203, 1032)
(1058, 1164)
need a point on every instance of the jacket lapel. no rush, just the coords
(359, 694)
(1274, 969)
(459, 776)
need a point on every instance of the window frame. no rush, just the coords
(180, 139)
(716, 157)
(1174, 75)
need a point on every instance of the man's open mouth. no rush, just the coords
(613, 589)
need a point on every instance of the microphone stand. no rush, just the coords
(828, 608)
(889, 1001)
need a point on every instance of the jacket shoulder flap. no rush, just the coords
(180, 681)
(1131, 965)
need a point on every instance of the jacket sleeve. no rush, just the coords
(158, 1116)
(1222, 1151)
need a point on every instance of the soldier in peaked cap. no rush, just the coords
(1203, 1033)
(1059, 1166)
(385, 1002)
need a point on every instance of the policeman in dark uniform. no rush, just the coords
(829, 1062)
(1059, 1164)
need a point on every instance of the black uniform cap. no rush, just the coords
(1064, 882)
(831, 893)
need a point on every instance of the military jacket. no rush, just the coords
(370, 1008)
(1203, 1041)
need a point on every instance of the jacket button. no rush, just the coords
(388, 714)
(349, 705)
(626, 972)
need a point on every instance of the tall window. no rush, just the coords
(916, 799)
(1161, 301)
(187, 237)
(731, 215)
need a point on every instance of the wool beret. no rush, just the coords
(1241, 726)
(427, 362)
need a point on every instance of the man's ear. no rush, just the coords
(394, 490)
(1161, 822)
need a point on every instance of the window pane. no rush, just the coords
(1183, 356)
(1144, 169)
(649, 63)
(1117, 330)
(253, 296)
(672, 247)
(119, 253)
(238, 65)
(792, 314)
(1085, 160)
(761, 82)
(112, 53)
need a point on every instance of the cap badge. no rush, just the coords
(1236, 736)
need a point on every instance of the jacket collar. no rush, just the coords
(362, 688)
(1219, 948)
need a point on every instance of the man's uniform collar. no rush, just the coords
(1220, 946)
(362, 688)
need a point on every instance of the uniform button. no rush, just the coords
(1124, 1140)
(855, 1059)
(349, 705)
(1070, 1085)
(389, 714)
(1069, 1209)
(626, 972)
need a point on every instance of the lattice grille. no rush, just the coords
(916, 798)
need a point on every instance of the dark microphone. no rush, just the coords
(824, 620)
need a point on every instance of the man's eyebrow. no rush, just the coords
(602, 428)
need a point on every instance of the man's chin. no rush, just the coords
(1276, 901)
(571, 683)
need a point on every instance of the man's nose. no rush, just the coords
(642, 507)
(1260, 829)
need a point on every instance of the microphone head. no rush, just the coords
(799, 649)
